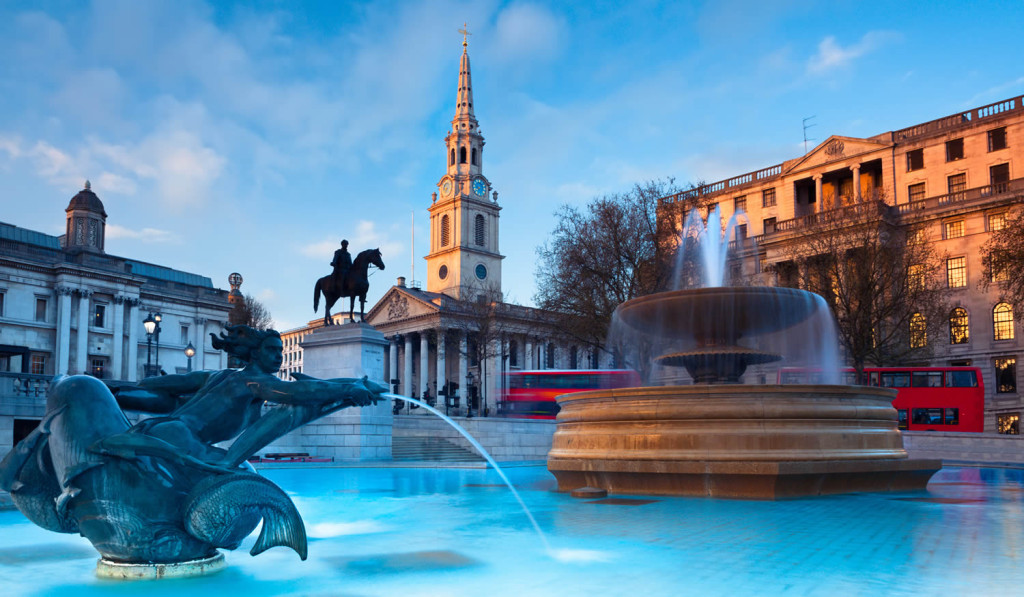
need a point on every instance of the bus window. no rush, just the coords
(927, 416)
(900, 379)
(874, 378)
(952, 416)
(927, 379)
(961, 379)
(850, 378)
(902, 418)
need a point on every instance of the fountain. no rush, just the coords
(719, 437)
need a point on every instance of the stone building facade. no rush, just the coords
(68, 307)
(956, 177)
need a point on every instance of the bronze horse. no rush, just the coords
(355, 284)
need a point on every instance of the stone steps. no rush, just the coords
(431, 449)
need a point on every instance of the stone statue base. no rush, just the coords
(123, 571)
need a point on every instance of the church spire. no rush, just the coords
(464, 103)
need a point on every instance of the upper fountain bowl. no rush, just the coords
(738, 311)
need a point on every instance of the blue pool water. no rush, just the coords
(395, 531)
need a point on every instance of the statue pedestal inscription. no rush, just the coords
(350, 350)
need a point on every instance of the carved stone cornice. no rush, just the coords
(200, 320)
(63, 290)
(84, 292)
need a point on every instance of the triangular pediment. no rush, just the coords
(399, 304)
(836, 149)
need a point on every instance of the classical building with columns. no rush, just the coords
(68, 307)
(954, 178)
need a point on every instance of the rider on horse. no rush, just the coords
(342, 262)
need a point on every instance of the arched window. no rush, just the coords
(1002, 322)
(550, 354)
(462, 155)
(451, 160)
(918, 331)
(445, 233)
(959, 329)
(513, 353)
(473, 158)
(480, 230)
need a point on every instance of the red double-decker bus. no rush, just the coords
(927, 399)
(531, 394)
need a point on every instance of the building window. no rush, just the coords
(999, 269)
(915, 192)
(915, 278)
(918, 331)
(957, 183)
(1, 304)
(768, 198)
(954, 150)
(473, 157)
(741, 232)
(996, 221)
(915, 160)
(956, 272)
(997, 139)
(462, 155)
(739, 204)
(99, 315)
(513, 353)
(38, 364)
(1008, 423)
(959, 328)
(1006, 375)
(184, 335)
(954, 229)
(445, 232)
(574, 358)
(480, 230)
(769, 225)
(40, 309)
(549, 355)
(999, 177)
(451, 160)
(1002, 322)
(97, 368)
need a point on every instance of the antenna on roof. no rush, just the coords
(807, 126)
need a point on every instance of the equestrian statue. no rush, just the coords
(349, 278)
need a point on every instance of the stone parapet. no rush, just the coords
(974, 448)
(507, 440)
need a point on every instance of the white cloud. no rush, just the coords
(366, 236)
(11, 146)
(832, 56)
(146, 235)
(527, 31)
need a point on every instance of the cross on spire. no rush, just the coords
(465, 33)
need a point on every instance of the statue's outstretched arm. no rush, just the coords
(160, 394)
(354, 392)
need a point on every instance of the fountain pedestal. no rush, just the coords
(735, 441)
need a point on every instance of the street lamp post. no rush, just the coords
(469, 395)
(150, 324)
(157, 317)
(190, 351)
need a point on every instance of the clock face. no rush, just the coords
(479, 187)
(446, 187)
(481, 271)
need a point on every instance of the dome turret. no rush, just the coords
(86, 221)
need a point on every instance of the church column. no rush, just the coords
(133, 339)
(393, 362)
(117, 353)
(463, 369)
(528, 356)
(407, 370)
(442, 373)
(817, 193)
(82, 356)
(62, 354)
(856, 182)
(199, 343)
(424, 362)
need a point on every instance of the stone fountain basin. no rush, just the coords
(748, 441)
(728, 312)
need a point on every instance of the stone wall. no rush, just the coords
(507, 440)
(981, 448)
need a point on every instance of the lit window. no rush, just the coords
(1008, 423)
(954, 150)
(955, 229)
(915, 192)
(999, 177)
(38, 364)
(740, 204)
(1002, 322)
(996, 222)
(918, 331)
(999, 267)
(768, 198)
(1006, 375)
(959, 328)
(957, 184)
(956, 272)
(915, 278)
(99, 315)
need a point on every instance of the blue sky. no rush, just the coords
(252, 137)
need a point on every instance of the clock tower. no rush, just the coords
(464, 262)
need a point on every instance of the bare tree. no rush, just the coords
(616, 248)
(1003, 260)
(251, 312)
(882, 281)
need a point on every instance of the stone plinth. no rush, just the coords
(740, 441)
(350, 350)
